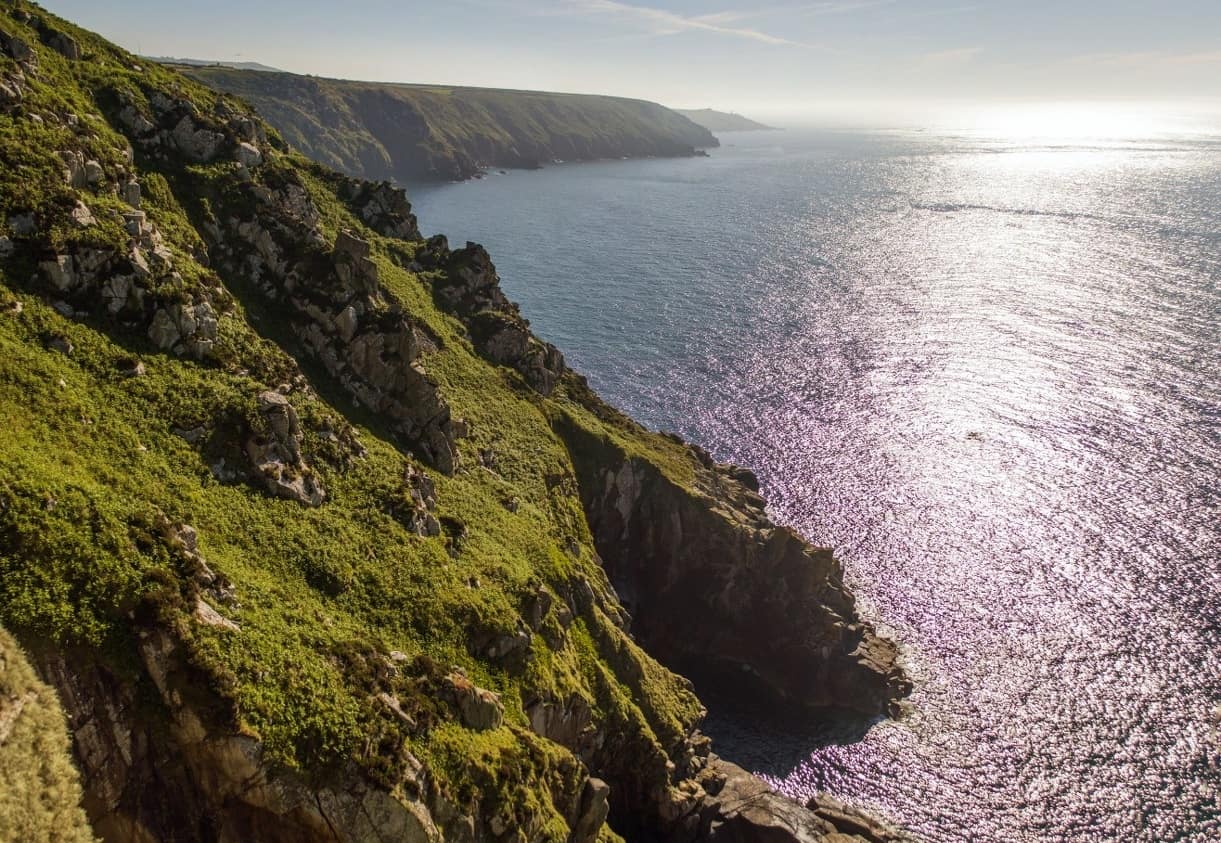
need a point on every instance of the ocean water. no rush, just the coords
(988, 372)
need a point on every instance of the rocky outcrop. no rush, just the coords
(718, 591)
(742, 809)
(339, 310)
(275, 453)
(469, 287)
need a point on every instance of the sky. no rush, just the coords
(760, 57)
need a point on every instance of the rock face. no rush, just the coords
(719, 591)
(276, 453)
(470, 288)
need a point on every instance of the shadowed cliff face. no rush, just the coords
(717, 590)
(285, 520)
(424, 133)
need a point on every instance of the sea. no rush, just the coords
(986, 369)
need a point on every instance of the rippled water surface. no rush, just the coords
(989, 374)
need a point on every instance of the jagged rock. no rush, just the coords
(480, 709)
(94, 172)
(130, 192)
(82, 216)
(196, 143)
(135, 121)
(60, 272)
(383, 207)
(248, 155)
(62, 43)
(74, 169)
(22, 225)
(352, 263)
(11, 94)
(346, 323)
(7, 247)
(208, 616)
(277, 457)
(164, 331)
(715, 586)
(593, 812)
(15, 48)
(61, 344)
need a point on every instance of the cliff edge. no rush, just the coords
(414, 133)
(315, 540)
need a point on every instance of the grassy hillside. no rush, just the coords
(721, 121)
(41, 796)
(419, 132)
(295, 513)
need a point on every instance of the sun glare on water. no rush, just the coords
(1077, 122)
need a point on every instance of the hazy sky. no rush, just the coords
(750, 55)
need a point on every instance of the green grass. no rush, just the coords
(91, 471)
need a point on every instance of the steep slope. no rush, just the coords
(721, 121)
(417, 132)
(303, 525)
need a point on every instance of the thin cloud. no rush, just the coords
(1146, 58)
(663, 22)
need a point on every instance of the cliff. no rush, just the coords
(423, 132)
(722, 121)
(315, 540)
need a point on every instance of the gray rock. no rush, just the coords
(346, 323)
(11, 94)
(248, 155)
(61, 344)
(94, 172)
(480, 709)
(130, 193)
(198, 144)
(593, 811)
(15, 48)
(74, 169)
(62, 43)
(60, 272)
(82, 216)
(7, 247)
(22, 225)
(164, 331)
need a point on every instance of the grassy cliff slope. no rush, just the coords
(422, 132)
(721, 121)
(306, 529)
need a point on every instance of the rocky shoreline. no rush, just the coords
(649, 543)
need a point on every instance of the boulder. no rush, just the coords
(248, 155)
(62, 43)
(15, 48)
(199, 144)
(60, 272)
(593, 811)
(81, 216)
(130, 192)
(94, 172)
(480, 709)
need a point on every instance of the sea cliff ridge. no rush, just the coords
(315, 540)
